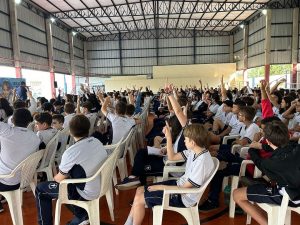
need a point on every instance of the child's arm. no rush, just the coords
(105, 105)
(78, 105)
(170, 151)
(59, 177)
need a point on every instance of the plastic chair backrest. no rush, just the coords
(92, 122)
(64, 135)
(125, 144)
(28, 168)
(50, 151)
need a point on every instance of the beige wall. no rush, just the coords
(177, 75)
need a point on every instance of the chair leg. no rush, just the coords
(157, 215)
(110, 202)
(94, 213)
(225, 182)
(234, 185)
(288, 217)
(248, 220)
(273, 216)
(195, 216)
(115, 181)
(15, 208)
(49, 174)
(57, 212)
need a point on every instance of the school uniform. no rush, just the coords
(81, 160)
(199, 168)
(17, 143)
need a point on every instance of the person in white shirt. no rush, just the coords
(45, 132)
(199, 167)
(69, 109)
(17, 143)
(81, 160)
(121, 125)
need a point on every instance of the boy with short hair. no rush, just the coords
(69, 109)
(282, 168)
(11, 138)
(199, 167)
(81, 160)
(45, 132)
(58, 121)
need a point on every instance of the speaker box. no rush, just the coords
(55, 84)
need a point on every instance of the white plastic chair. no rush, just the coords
(235, 183)
(63, 136)
(47, 163)
(92, 207)
(26, 170)
(277, 214)
(93, 121)
(227, 138)
(170, 168)
(190, 214)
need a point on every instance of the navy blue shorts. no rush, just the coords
(154, 198)
(262, 193)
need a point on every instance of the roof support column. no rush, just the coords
(15, 37)
(194, 46)
(85, 61)
(231, 48)
(268, 44)
(72, 62)
(295, 39)
(157, 46)
(50, 56)
(245, 52)
(120, 54)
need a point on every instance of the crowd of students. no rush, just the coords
(189, 124)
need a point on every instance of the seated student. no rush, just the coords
(69, 109)
(58, 107)
(247, 132)
(199, 167)
(47, 107)
(81, 160)
(86, 110)
(45, 132)
(121, 124)
(58, 121)
(11, 138)
(220, 125)
(282, 168)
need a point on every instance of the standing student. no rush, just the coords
(81, 160)
(17, 143)
(199, 166)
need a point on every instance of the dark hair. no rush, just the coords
(88, 105)
(18, 104)
(21, 117)
(23, 83)
(69, 98)
(60, 118)
(43, 117)
(176, 127)
(277, 133)
(121, 108)
(79, 126)
(42, 100)
(57, 103)
(239, 103)
(47, 107)
(269, 119)
(249, 112)
(278, 95)
(248, 100)
(229, 103)
(4, 104)
(69, 108)
(130, 109)
(52, 100)
(198, 133)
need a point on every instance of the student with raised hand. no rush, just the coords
(17, 143)
(199, 166)
(120, 123)
(282, 168)
(81, 160)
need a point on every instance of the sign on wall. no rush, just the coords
(7, 84)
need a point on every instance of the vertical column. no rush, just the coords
(245, 52)
(194, 46)
(268, 44)
(15, 37)
(72, 63)
(295, 39)
(50, 56)
(120, 54)
(157, 46)
(231, 48)
(85, 58)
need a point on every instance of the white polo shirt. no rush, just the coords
(249, 132)
(17, 143)
(67, 120)
(82, 160)
(121, 126)
(197, 171)
(46, 135)
(235, 125)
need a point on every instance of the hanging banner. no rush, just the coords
(7, 84)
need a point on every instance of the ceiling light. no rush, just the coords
(74, 33)
(52, 19)
(264, 12)
(242, 26)
(18, 1)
